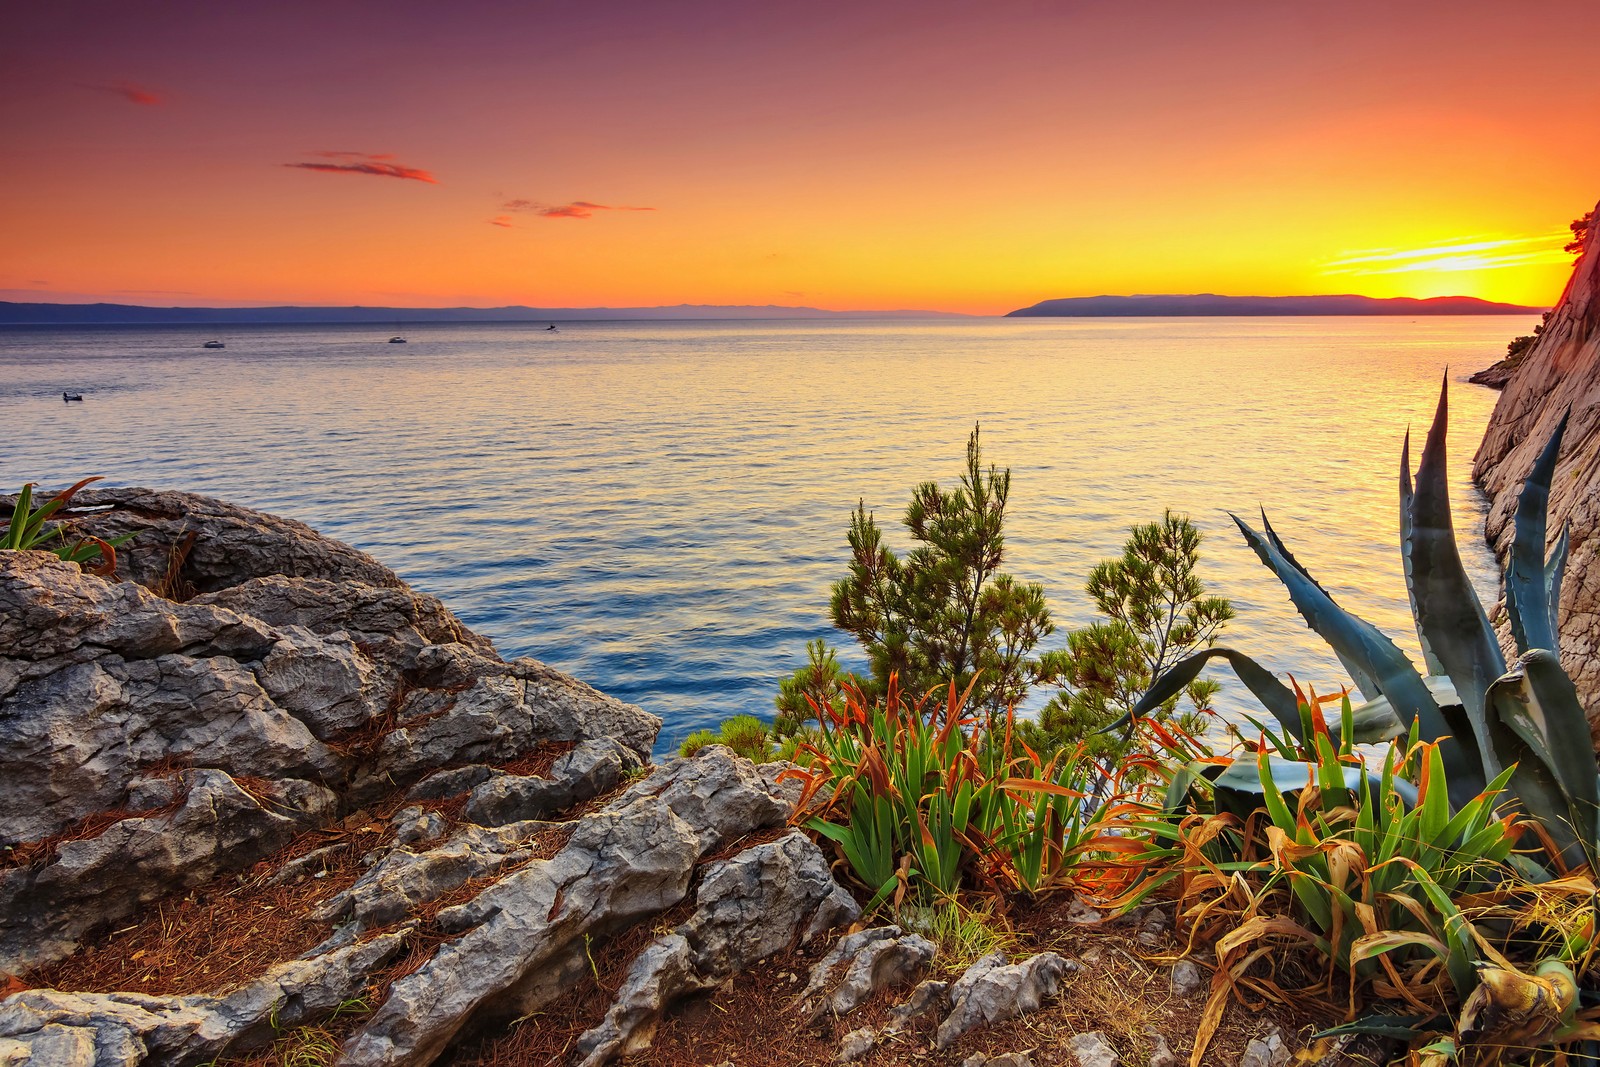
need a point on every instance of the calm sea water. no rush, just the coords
(660, 508)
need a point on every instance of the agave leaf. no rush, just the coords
(1273, 694)
(1357, 667)
(1183, 780)
(1407, 495)
(1375, 721)
(1554, 572)
(1359, 642)
(1451, 622)
(1537, 715)
(1527, 591)
(1403, 1027)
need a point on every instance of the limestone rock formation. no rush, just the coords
(1559, 374)
(258, 696)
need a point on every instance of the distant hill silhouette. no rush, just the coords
(1211, 304)
(135, 314)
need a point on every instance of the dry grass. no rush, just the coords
(225, 932)
(46, 849)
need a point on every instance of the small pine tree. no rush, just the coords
(945, 611)
(1156, 612)
(1581, 228)
(817, 686)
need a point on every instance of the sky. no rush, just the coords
(969, 157)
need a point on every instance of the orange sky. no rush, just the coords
(960, 157)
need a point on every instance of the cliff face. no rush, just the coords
(1560, 373)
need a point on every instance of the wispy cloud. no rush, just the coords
(577, 209)
(133, 94)
(1463, 254)
(380, 165)
(501, 220)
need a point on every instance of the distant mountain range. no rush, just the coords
(1211, 304)
(18, 314)
(25, 314)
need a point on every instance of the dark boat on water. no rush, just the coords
(213, 344)
(70, 397)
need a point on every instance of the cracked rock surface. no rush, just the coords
(254, 685)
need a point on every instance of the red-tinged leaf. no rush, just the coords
(1033, 785)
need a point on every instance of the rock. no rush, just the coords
(1161, 1054)
(1091, 1050)
(877, 958)
(274, 686)
(522, 939)
(1153, 927)
(402, 879)
(1269, 1051)
(46, 908)
(856, 1044)
(723, 795)
(992, 990)
(1081, 914)
(1559, 373)
(590, 769)
(1009, 1059)
(748, 907)
(1186, 979)
(301, 681)
(129, 1029)
(930, 995)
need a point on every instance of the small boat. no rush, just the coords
(397, 340)
(70, 397)
(213, 344)
(551, 328)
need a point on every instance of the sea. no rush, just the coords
(660, 508)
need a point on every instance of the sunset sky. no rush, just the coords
(971, 157)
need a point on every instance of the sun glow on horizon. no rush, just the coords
(845, 158)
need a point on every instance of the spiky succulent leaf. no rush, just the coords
(1539, 721)
(1451, 622)
(1407, 494)
(1376, 657)
(1273, 694)
(1355, 666)
(1554, 572)
(1527, 582)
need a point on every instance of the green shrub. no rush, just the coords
(919, 801)
(1156, 612)
(696, 741)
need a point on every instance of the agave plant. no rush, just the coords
(1485, 716)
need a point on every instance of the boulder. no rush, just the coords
(748, 907)
(252, 679)
(992, 991)
(256, 687)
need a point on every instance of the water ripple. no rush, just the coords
(660, 508)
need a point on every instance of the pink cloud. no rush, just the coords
(501, 220)
(577, 209)
(378, 165)
(133, 94)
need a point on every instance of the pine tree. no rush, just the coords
(1155, 613)
(946, 610)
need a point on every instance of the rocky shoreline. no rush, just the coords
(1559, 376)
(260, 788)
